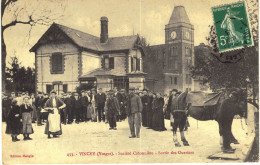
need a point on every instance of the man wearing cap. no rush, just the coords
(171, 104)
(84, 106)
(100, 101)
(53, 125)
(122, 104)
(112, 110)
(76, 106)
(145, 101)
(69, 107)
(39, 106)
(134, 112)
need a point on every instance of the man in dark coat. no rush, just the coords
(39, 106)
(145, 101)
(100, 102)
(122, 104)
(63, 112)
(134, 112)
(112, 110)
(76, 106)
(68, 102)
(84, 106)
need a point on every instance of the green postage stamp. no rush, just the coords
(232, 26)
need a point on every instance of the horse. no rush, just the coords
(208, 106)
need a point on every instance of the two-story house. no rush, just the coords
(65, 58)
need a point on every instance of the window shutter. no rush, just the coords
(132, 64)
(111, 63)
(56, 59)
(138, 64)
(48, 88)
(65, 88)
(175, 80)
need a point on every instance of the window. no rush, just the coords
(57, 63)
(171, 80)
(109, 62)
(132, 64)
(175, 80)
(138, 64)
(187, 51)
(106, 63)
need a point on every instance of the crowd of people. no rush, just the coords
(140, 107)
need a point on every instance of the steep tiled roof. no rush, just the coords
(179, 15)
(85, 40)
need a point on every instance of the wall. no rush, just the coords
(90, 61)
(136, 82)
(71, 65)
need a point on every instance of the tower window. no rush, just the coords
(175, 80)
(187, 51)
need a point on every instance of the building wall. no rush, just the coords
(71, 66)
(90, 61)
(136, 82)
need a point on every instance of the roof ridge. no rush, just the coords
(75, 30)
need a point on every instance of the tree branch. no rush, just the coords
(13, 23)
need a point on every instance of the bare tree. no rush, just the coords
(25, 15)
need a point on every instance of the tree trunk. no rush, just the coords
(3, 62)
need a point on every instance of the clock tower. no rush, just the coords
(179, 44)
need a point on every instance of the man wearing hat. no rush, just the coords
(39, 106)
(134, 112)
(69, 107)
(100, 101)
(112, 109)
(53, 125)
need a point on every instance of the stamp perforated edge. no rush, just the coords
(249, 24)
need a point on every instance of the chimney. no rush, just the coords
(104, 30)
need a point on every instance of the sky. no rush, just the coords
(126, 17)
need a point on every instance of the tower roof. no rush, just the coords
(179, 15)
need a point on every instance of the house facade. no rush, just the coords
(66, 58)
(171, 61)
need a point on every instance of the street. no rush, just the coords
(95, 143)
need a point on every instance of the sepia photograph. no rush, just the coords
(129, 81)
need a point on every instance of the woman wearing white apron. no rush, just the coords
(53, 105)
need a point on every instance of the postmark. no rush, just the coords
(232, 27)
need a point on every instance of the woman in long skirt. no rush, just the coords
(14, 122)
(32, 102)
(53, 125)
(26, 110)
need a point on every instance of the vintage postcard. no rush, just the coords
(129, 81)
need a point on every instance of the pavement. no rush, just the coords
(95, 143)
